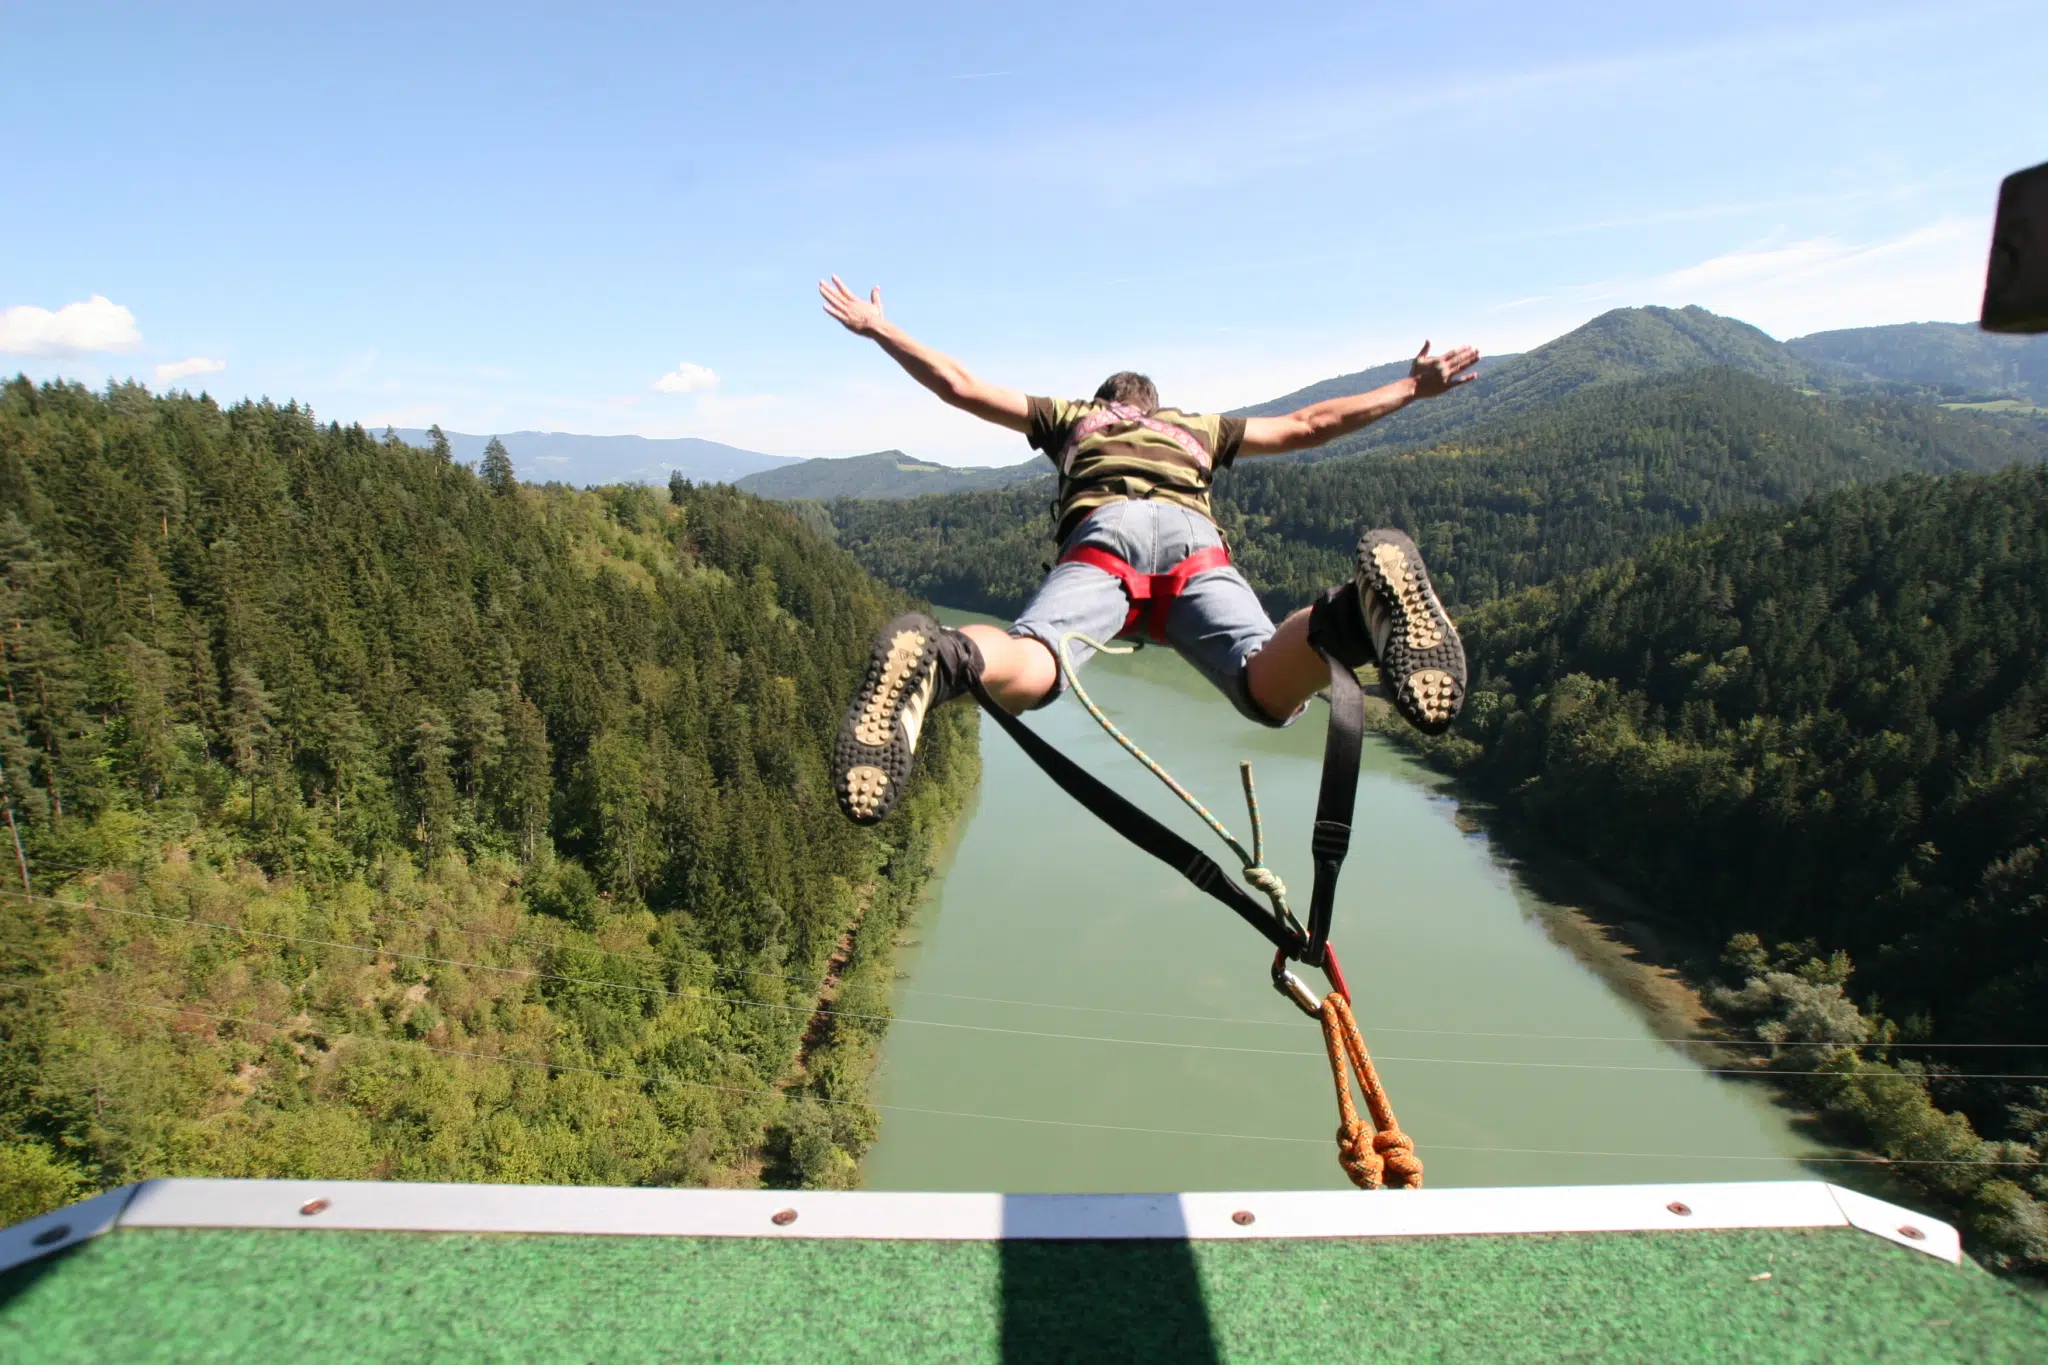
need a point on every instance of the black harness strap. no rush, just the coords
(1335, 800)
(1330, 842)
(1141, 829)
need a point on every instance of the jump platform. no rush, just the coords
(313, 1271)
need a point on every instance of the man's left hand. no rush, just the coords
(862, 317)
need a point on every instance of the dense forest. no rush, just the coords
(1506, 506)
(1825, 729)
(1939, 359)
(389, 818)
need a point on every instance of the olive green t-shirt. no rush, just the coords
(1128, 459)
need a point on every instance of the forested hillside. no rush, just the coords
(884, 474)
(1620, 345)
(1509, 505)
(1827, 729)
(404, 820)
(1954, 360)
(1579, 483)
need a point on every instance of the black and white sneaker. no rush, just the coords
(1421, 659)
(916, 664)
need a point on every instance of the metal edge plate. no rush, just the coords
(50, 1233)
(382, 1206)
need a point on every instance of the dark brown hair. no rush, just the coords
(1126, 387)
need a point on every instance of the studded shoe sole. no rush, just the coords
(1421, 659)
(877, 741)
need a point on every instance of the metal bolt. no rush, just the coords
(313, 1206)
(50, 1236)
(783, 1217)
(1682, 1210)
(1912, 1233)
(1243, 1218)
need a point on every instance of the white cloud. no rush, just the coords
(687, 378)
(97, 324)
(1932, 273)
(184, 369)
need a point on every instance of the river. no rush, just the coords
(1075, 1017)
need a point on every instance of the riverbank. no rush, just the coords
(829, 1119)
(1886, 1136)
(1647, 959)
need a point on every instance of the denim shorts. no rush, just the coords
(1216, 623)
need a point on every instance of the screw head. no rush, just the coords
(1244, 1218)
(313, 1206)
(51, 1235)
(782, 1218)
(1912, 1233)
(1683, 1210)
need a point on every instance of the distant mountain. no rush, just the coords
(884, 474)
(562, 457)
(1627, 343)
(1503, 506)
(1954, 360)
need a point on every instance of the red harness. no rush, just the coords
(1151, 594)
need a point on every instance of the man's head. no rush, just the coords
(1126, 387)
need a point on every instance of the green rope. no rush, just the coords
(1260, 877)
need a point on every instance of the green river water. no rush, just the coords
(1075, 1017)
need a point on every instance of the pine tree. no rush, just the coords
(480, 731)
(41, 673)
(438, 440)
(250, 713)
(142, 680)
(496, 468)
(525, 776)
(678, 487)
(433, 787)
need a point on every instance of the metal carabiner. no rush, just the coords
(1294, 988)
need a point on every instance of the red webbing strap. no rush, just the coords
(1151, 595)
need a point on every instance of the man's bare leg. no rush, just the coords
(1284, 674)
(1018, 672)
(1390, 616)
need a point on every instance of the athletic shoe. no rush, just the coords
(1421, 660)
(915, 665)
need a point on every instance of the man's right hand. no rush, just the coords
(936, 370)
(1436, 374)
(861, 317)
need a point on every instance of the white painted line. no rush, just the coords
(52, 1232)
(393, 1207)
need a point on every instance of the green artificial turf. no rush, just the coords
(314, 1296)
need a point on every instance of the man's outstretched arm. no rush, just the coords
(936, 370)
(1317, 423)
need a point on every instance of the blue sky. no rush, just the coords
(507, 216)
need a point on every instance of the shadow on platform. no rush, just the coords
(1116, 1299)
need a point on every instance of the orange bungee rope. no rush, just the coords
(1372, 1159)
(1376, 1155)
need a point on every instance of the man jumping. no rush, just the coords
(1134, 502)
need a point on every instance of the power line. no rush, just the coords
(376, 951)
(962, 1114)
(812, 988)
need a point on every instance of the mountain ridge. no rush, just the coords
(883, 474)
(1952, 359)
(582, 461)
(1499, 506)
